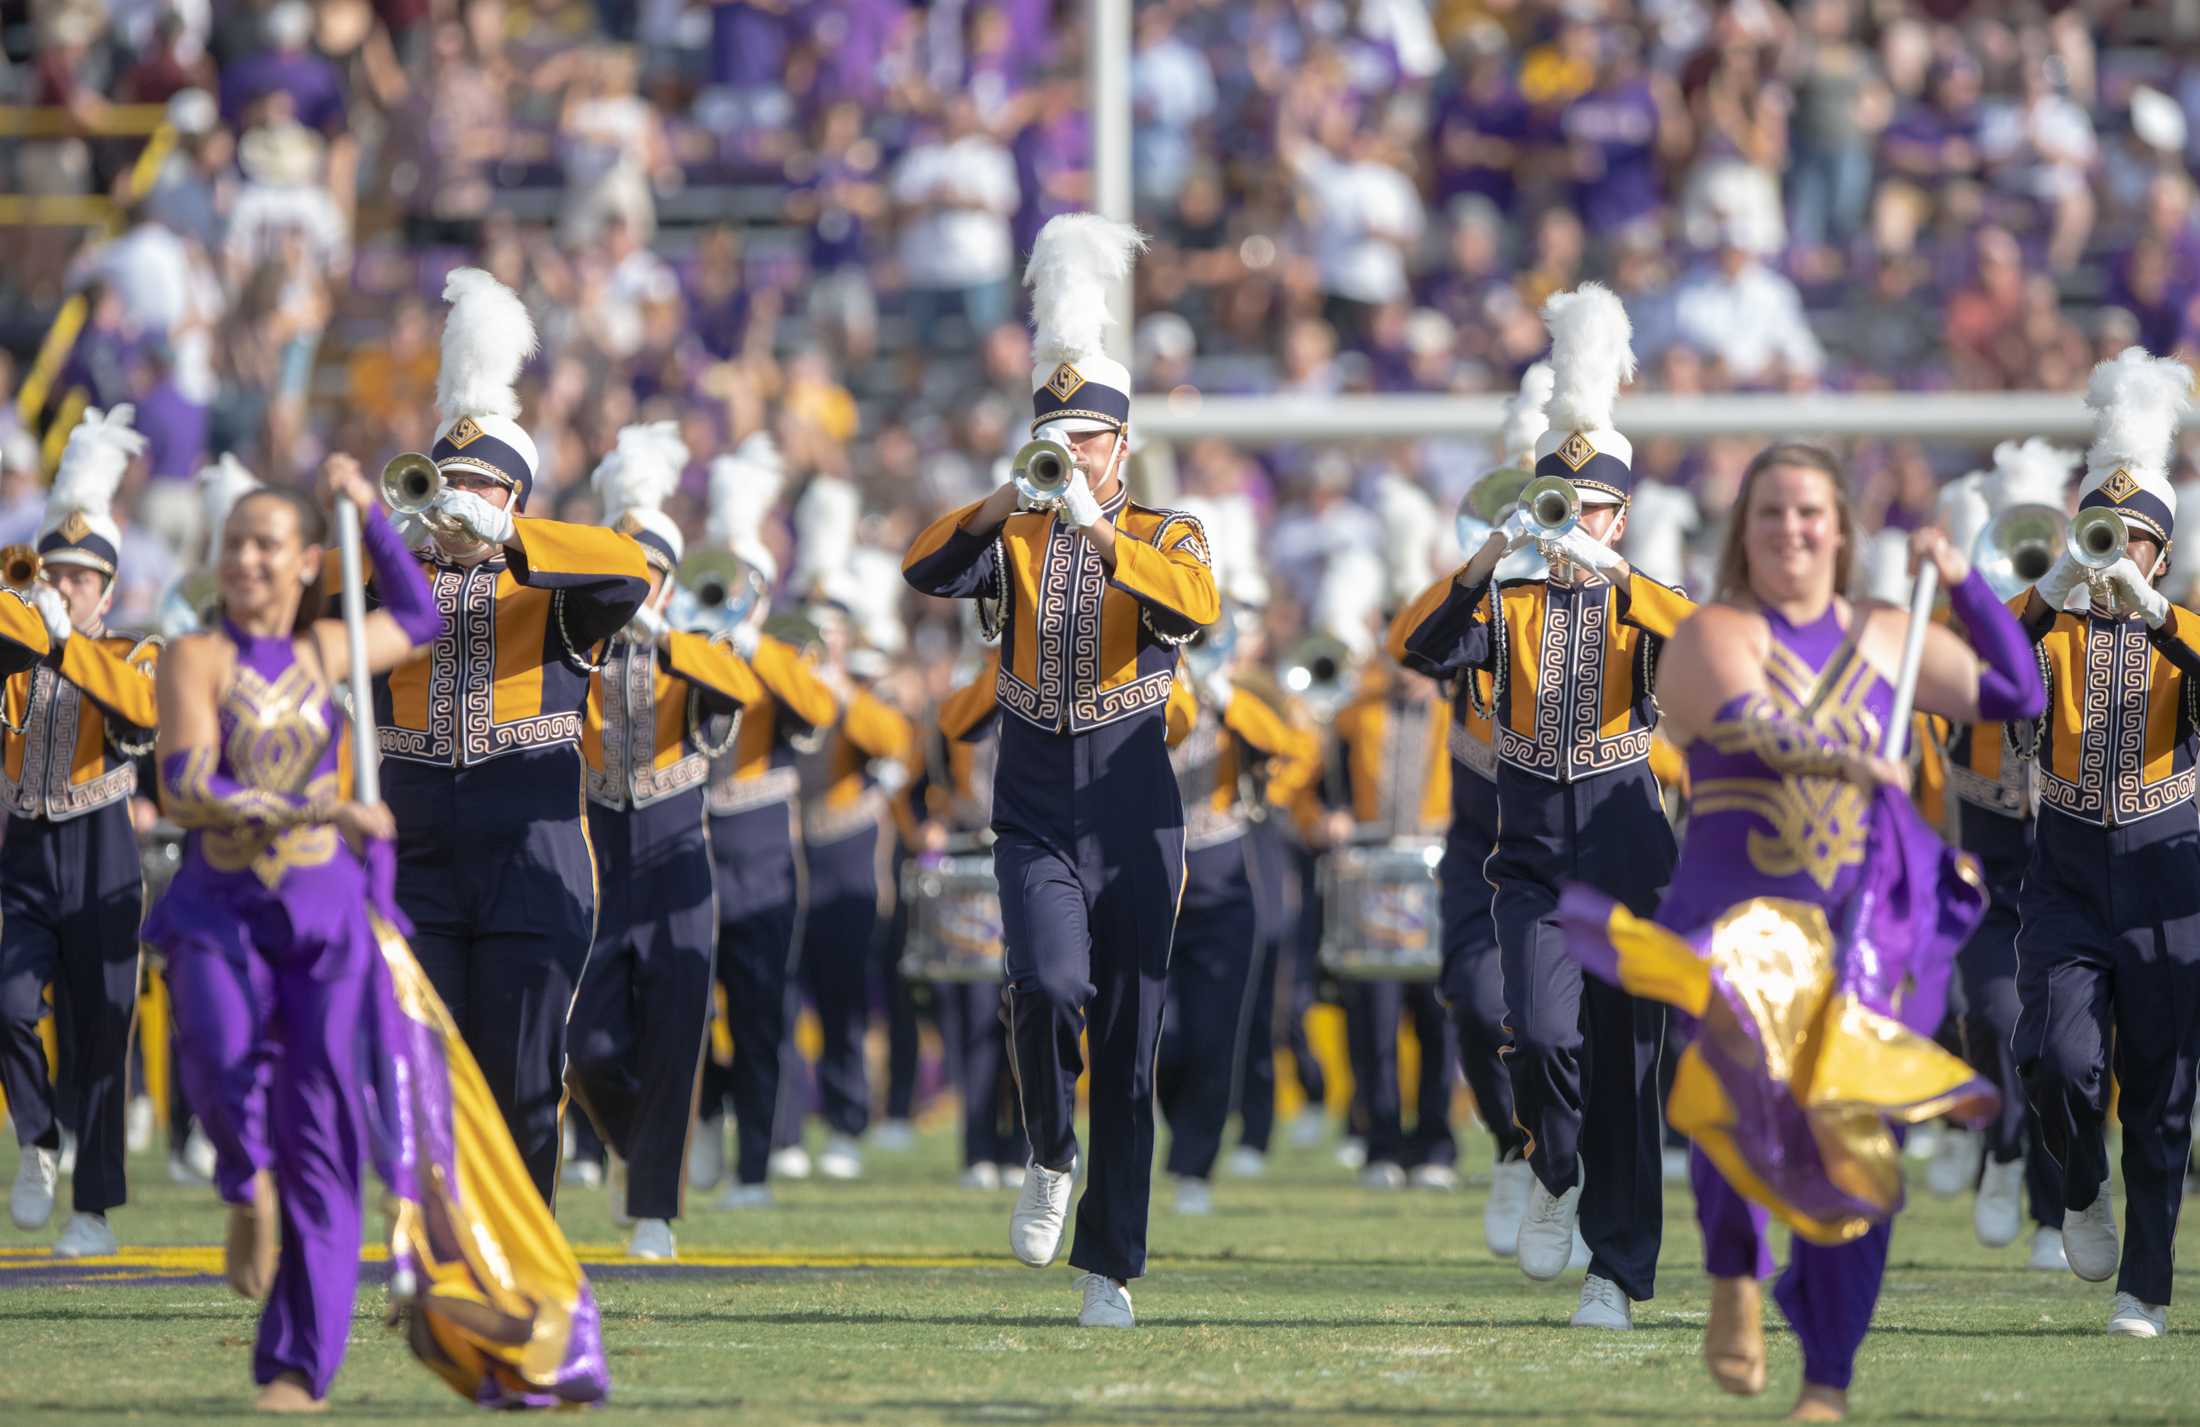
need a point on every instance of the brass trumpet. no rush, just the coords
(2018, 546)
(1043, 468)
(20, 566)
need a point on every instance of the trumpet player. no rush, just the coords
(480, 738)
(72, 727)
(1093, 594)
(1572, 658)
(2108, 942)
(642, 1012)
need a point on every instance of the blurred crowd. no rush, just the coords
(808, 217)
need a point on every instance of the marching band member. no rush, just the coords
(1223, 768)
(71, 884)
(642, 1012)
(1093, 597)
(1573, 659)
(2109, 933)
(481, 738)
(1996, 800)
(751, 800)
(847, 781)
(1813, 919)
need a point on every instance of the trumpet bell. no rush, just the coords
(2097, 539)
(410, 483)
(1553, 506)
(1042, 472)
(1316, 672)
(187, 605)
(721, 588)
(2018, 546)
(1488, 501)
(20, 566)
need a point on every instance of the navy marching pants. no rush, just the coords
(1274, 920)
(902, 1037)
(1473, 980)
(1373, 1012)
(752, 853)
(993, 1127)
(642, 1017)
(1089, 853)
(1584, 1057)
(2110, 954)
(71, 897)
(838, 931)
(1987, 966)
(1212, 970)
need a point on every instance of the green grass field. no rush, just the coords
(1303, 1298)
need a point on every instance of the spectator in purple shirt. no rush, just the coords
(287, 71)
(1479, 132)
(1934, 141)
(1612, 135)
(175, 426)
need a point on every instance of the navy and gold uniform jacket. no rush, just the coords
(954, 784)
(1393, 754)
(793, 704)
(841, 796)
(75, 723)
(1081, 647)
(23, 639)
(2116, 745)
(1230, 768)
(649, 706)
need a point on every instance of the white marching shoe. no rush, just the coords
(981, 1175)
(842, 1158)
(1245, 1162)
(1440, 1177)
(707, 1153)
(1954, 1166)
(1194, 1197)
(745, 1196)
(1581, 1258)
(1382, 1174)
(2047, 1250)
(1107, 1303)
(1307, 1128)
(790, 1162)
(1603, 1305)
(1998, 1216)
(85, 1236)
(1509, 1181)
(30, 1203)
(1546, 1243)
(894, 1137)
(137, 1124)
(1042, 1208)
(2129, 1318)
(1351, 1153)
(652, 1240)
(1012, 1175)
(580, 1173)
(2089, 1238)
(199, 1156)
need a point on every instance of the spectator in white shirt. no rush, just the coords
(1366, 219)
(1172, 92)
(1734, 307)
(954, 196)
(2042, 148)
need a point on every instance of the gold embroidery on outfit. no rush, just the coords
(278, 733)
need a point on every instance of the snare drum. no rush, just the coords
(1380, 912)
(954, 919)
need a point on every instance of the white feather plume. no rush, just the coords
(1525, 417)
(487, 338)
(744, 486)
(1073, 262)
(221, 486)
(93, 463)
(1592, 356)
(1886, 570)
(875, 588)
(1659, 521)
(2035, 471)
(642, 470)
(1350, 598)
(1963, 508)
(1411, 529)
(825, 520)
(2137, 401)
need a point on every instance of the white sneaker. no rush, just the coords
(1603, 1306)
(1954, 1166)
(1246, 1162)
(652, 1240)
(1352, 1153)
(581, 1174)
(616, 1179)
(137, 1124)
(2129, 1318)
(1012, 1175)
(1440, 1177)
(707, 1153)
(2047, 1250)
(842, 1158)
(1924, 1142)
(1382, 1174)
(30, 1203)
(1042, 1208)
(1673, 1165)
(1998, 1216)
(981, 1176)
(793, 1162)
(198, 1153)
(1107, 1303)
(1509, 1180)
(2089, 1238)
(1580, 1258)
(1193, 1196)
(85, 1236)
(745, 1196)
(894, 1137)
(180, 1172)
(1307, 1128)
(1546, 1241)
(67, 1161)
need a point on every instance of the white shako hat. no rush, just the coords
(1411, 529)
(79, 525)
(635, 480)
(825, 519)
(744, 486)
(1076, 258)
(487, 339)
(1592, 357)
(1233, 545)
(2137, 401)
(1526, 418)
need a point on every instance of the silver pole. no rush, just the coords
(366, 771)
(1108, 26)
(1913, 656)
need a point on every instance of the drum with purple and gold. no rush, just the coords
(1380, 917)
(954, 918)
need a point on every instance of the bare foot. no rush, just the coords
(288, 1393)
(1734, 1336)
(1820, 1404)
(255, 1239)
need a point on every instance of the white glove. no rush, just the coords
(1519, 533)
(648, 625)
(2061, 578)
(2134, 591)
(744, 641)
(1215, 690)
(53, 609)
(1578, 547)
(1079, 507)
(490, 524)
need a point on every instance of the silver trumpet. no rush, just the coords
(2018, 546)
(1043, 468)
(1318, 670)
(718, 591)
(1553, 507)
(2097, 542)
(411, 484)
